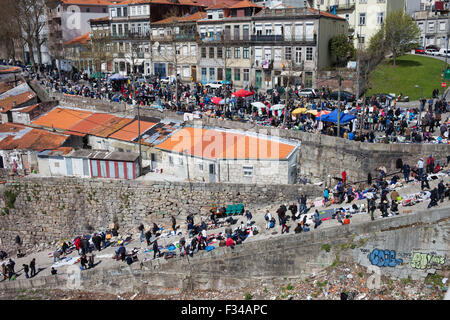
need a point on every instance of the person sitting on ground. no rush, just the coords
(298, 228)
(340, 217)
(293, 209)
(230, 243)
(53, 271)
(433, 198)
(83, 261)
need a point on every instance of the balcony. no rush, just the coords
(130, 35)
(345, 7)
(266, 38)
(162, 37)
(186, 37)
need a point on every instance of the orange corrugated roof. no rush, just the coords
(130, 132)
(13, 69)
(83, 39)
(5, 87)
(110, 126)
(91, 122)
(61, 118)
(7, 103)
(214, 144)
(17, 136)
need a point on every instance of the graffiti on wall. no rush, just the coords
(384, 258)
(426, 260)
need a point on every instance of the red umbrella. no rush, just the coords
(243, 93)
(216, 100)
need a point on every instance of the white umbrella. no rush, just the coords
(277, 107)
(258, 104)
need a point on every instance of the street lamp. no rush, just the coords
(420, 108)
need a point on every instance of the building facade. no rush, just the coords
(434, 26)
(364, 16)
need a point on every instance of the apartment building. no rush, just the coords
(364, 16)
(175, 47)
(433, 23)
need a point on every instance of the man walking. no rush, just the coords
(141, 232)
(406, 172)
(155, 249)
(26, 269)
(33, 267)
(420, 166)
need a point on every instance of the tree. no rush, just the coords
(400, 31)
(341, 48)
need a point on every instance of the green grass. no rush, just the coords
(411, 70)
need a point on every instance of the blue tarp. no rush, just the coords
(332, 117)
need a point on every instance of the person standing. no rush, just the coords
(155, 248)
(420, 167)
(141, 232)
(33, 268)
(317, 220)
(249, 216)
(148, 235)
(406, 172)
(268, 217)
(326, 194)
(344, 177)
(26, 269)
(174, 224)
(441, 191)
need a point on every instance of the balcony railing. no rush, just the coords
(271, 37)
(187, 37)
(345, 6)
(130, 35)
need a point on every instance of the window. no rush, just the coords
(185, 50)
(228, 74)
(246, 53)
(236, 32)
(153, 157)
(212, 74)
(362, 19)
(431, 26)
(347, 16)
(267, 54)
(219, 74)
(380, 17)
(228, 53)
(171, 161)
(180, 161)
(298, 55)
(277, 54)
(104, 10)
(247, 75)
(88, 10)
(287, 53)
(200, 166)
(219, 53)
(308, 79)
(237, 74)
(258, 54)
(193, 50)
(211, 52)
(212, 169)
(248, 171)
(204, 74)
(203, 52)
(237, 53)
(362, 1)
(258, 28)
(309, 54)
(120, 29)
(442, 26)
(186, 72)
(268, 29)
(361, 39)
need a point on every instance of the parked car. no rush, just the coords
(419, 50)
(308, 92)
(214, 84)
(345, 95)
(432, 47)
(432, 52)
(444, 52)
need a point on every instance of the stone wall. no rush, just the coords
(398, 247)
(50, 209)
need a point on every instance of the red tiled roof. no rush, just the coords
(130, 132)
(192, 17)
(60, 151)
(325, 14)
(17, 136)
(110, 126)
(60, 118)
(7, 103)
(87, 2)
(214, 144)
(83, 39)
(246, 4)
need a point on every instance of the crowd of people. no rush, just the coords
(378, 118)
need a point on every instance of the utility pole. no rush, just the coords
(139, 120)
(339, 107)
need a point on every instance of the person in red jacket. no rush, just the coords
(230, 242)
(77, 243)
(344, 177)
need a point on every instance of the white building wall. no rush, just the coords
(57, 166)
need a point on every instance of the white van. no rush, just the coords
(444, 52)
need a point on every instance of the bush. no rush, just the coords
(248, 296)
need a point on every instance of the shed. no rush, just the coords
(115, 165)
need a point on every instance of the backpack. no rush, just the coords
(266, 216)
